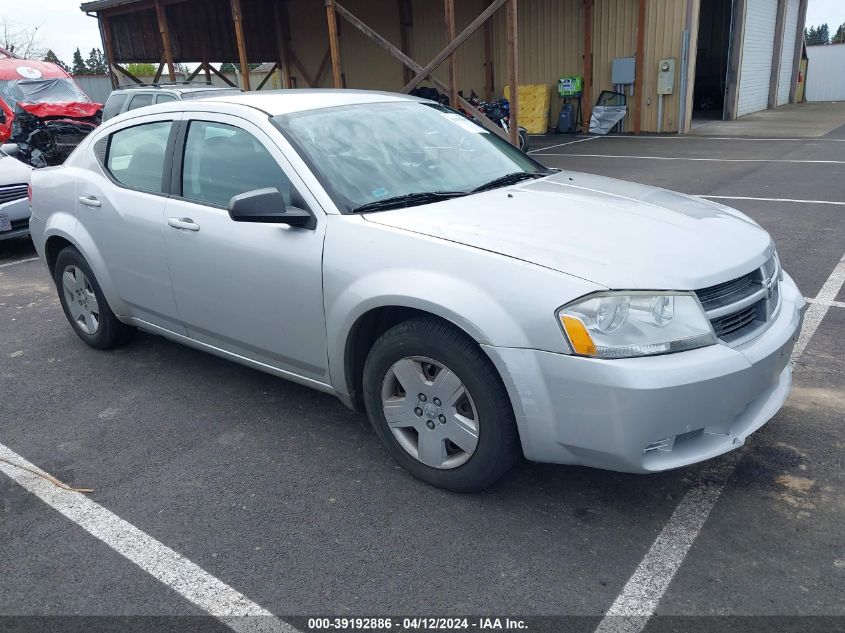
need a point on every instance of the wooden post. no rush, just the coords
(165, 40)
(449, 6)
(334, 44)
(406, 20)
(489, 84)
(513, 69)
(639, 71)
(282, 25)
(237, 18)
(105, 32)
(206, 66)
(586, 96)
(159, 70)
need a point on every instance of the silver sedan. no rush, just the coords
(391, 252)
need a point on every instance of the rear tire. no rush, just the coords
(523, 140)
(451, 421)
(84, 304)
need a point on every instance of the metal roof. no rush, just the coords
(99, 5)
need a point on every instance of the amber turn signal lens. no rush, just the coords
(579, 338)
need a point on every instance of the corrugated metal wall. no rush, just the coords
(551, 44)
(665, 20)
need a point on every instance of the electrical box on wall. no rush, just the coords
(666, 76)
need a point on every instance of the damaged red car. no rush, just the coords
(43, 111)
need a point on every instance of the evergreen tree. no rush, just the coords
(824, 34)
(96, 62)
(839, 36)
(78, 67)
(51, 57)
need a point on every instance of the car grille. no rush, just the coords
(9, 193)
(742, 307)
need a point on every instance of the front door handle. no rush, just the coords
(186, 224)
(90, 201)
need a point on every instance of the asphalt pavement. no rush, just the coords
(283, 494)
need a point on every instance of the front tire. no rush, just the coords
(84, 304)
(438, 405)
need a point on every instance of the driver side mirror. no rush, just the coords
(10, 149)
(267, 206)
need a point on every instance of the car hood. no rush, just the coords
(618, 234)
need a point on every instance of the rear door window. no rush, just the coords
(164, 98)
(136, 155)
(141, 100)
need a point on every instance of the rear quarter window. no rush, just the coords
(136, 155)
(114, 104)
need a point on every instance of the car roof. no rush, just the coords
(175, 88)
(276, 102)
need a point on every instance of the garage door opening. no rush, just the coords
(711, 66)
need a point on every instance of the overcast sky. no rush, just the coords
(64, 27)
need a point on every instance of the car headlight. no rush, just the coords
(627, 324)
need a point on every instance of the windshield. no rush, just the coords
(363, 154)
(62, 90)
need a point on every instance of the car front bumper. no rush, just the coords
(654, 413)
(18, 212)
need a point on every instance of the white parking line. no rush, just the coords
(706, 160)
(165, 565)
(580, 140)
(693, 137)
(835, 202)
(831, 304)
(640, 596)
(20, 261)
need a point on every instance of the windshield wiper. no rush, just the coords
(408, 200)
(510, 179)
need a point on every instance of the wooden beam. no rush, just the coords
(410, 63)
(237, 18)
(449, 18)
(267, 76)
(513, 69)
(159, 70)
(193, 75)
(282, 21)
(334, 44)
(489, 82)
(639, 70)
(406, 19)
(221, 75)
(318, 78)
(165, 39)
(108, 48)
(301, 68)
(206, 66)
(126, 73)
(451, 46)
(586, 95)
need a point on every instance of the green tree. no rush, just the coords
(142, 70)
(78, 67)
(96, 62)
(51, 57)
(817, 36)
(839, 36)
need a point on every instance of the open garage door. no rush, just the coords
(757, 51)
(787, 54)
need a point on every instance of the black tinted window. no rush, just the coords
(113, 105)
(222, 161)
(141, 100)
(136, 155)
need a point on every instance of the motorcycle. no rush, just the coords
(500, 113)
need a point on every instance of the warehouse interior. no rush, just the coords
(711, 65)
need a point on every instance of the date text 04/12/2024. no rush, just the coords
(417, 624)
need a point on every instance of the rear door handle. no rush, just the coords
(89, 201)
(186, 224)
